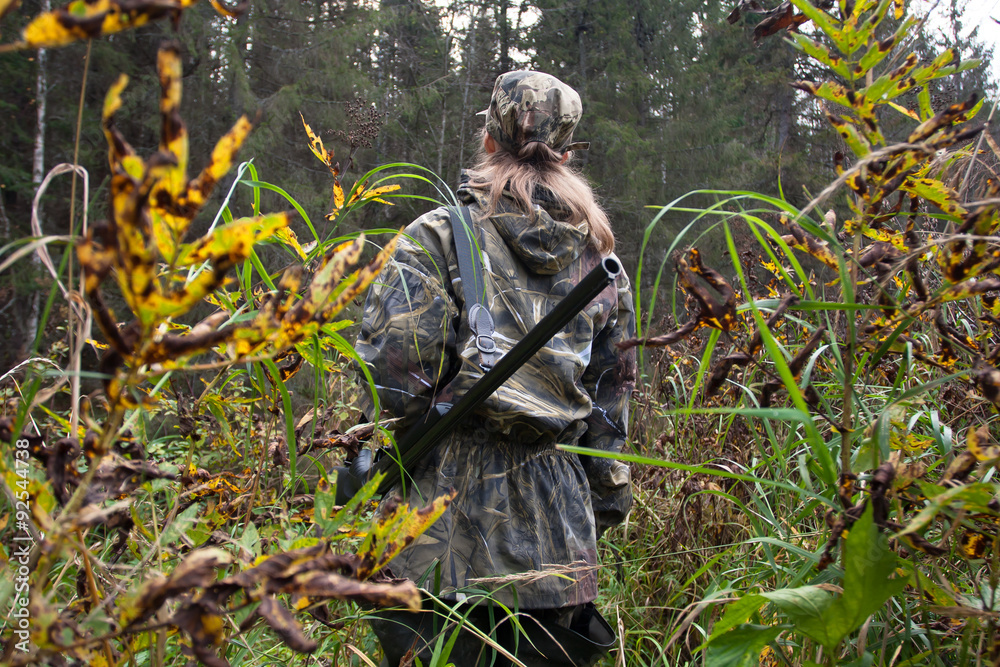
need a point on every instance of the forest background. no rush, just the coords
(677, 100)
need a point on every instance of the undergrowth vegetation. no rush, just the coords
(830, 493)
(814, 464)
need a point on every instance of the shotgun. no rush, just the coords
(443, 417)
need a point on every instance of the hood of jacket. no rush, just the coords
(542, 239)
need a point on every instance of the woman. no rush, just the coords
(522, 530)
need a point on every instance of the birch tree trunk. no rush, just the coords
(470, 62)
(37, 174)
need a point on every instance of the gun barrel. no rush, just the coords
(423, 436)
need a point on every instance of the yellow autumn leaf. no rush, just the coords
(375, 193)
(321, 287)
(233, 243)
(154, 305)
(79, 20)
(977, 441)
(906, 112)
(172, 183)
(315, 143)
(338, 196)
(394, 531)
(362, 279)
(974, 545)
(220, 163)
(288, 237)
(113, 99)
(66, 24)
(165, 236)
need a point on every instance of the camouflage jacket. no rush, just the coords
(526, 517)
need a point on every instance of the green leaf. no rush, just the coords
(827, 24)
(817, 614)
(816, 50)
(924, 99)
(180, 525)
(854, 139)
(864, 661)
(975, 497)
(878, 50)
(937, 193)
(737, 613)
(324, 503)
(741, 646)
(250, 540)
(807, 608)
(868, 564)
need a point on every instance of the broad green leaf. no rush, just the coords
(864, 661)
(868, 566)
(924, 100)
(807, 608)
(737, 613)
(741, 646)
(936, 192)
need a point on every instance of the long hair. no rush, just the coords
(537, 164)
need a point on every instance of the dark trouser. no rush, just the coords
(577, 636)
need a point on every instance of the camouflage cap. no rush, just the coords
(531, 106)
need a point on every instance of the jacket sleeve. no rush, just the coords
(610, 379)
(408, 326)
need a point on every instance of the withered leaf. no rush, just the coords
(779, 18)
(197, 570)
(330, 585)
(800, 240)
(744, 6)
(795, 366)
(922, 545)
(277, 451)
(715, 312)
(721, 372)
(284, 624)
(959, 469)
(284, 566)
(846, 488)
(203, 622)
(942, 120)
